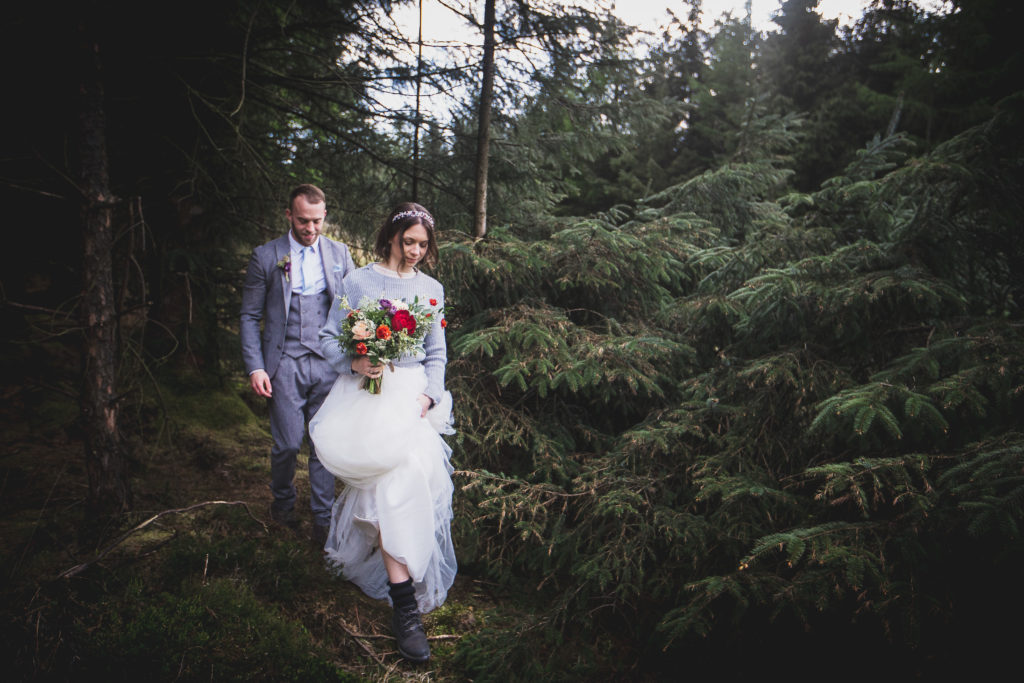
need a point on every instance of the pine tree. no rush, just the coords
(733, 404)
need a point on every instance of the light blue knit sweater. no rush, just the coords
(368, 282)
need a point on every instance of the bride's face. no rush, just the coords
(409, 248)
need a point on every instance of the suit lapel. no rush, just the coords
(284, 249)
(327, 256)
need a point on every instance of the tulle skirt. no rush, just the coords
(398, 486)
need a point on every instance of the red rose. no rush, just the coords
(383, 332)
(433, 302)
(361, 349)
(444, 323)
(403, 320)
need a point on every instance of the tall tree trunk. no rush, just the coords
(416, 132)
(105, 461)
(484, 132)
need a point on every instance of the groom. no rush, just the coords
(290, 286)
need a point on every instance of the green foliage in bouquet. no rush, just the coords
(733, 411)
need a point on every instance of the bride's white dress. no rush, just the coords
(397, 483)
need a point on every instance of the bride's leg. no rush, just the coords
(397, 572)
(405, 622)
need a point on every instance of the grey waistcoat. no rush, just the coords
(306, 315)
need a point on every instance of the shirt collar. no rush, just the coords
(297, 248)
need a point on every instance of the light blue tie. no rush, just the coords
(308, 268)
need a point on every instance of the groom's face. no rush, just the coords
(307, 220)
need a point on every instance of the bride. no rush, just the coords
(390, 527)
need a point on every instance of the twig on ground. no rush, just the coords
(358, 638)
(78, 569)
(381, 636)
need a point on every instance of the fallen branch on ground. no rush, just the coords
(78, 569)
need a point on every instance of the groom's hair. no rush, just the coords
(312, 193)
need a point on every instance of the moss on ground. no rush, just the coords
(217, 593)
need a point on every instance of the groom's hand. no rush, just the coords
(260, 383)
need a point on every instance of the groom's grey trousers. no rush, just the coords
(301, 383)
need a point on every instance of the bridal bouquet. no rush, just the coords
(384, 330)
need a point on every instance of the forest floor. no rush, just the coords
(218, 592)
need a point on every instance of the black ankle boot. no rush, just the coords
(406, 624)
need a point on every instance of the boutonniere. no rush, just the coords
(285, 264)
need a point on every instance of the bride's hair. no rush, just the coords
(404, 216)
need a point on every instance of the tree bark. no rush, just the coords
(484, 120)
(105, 462)
(416, 131)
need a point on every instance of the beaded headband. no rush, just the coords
(422, 215)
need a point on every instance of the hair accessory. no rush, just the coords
(422, 215)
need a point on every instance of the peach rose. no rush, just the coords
(361, 330)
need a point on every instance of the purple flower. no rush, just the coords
(285, 264)
(386, 305)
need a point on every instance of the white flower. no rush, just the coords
(400, 305)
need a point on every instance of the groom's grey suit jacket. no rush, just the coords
(267, 294)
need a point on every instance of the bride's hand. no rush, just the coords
(425, 402)
(363, 366)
